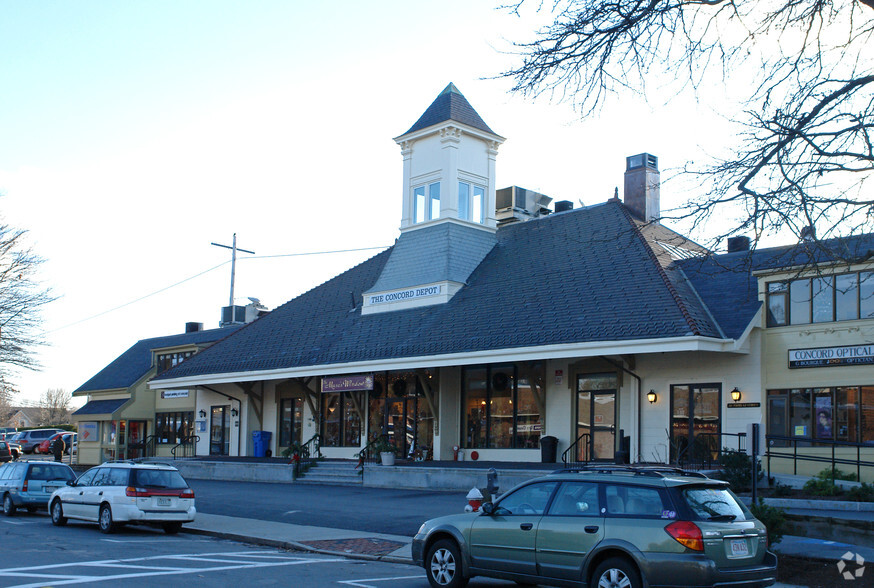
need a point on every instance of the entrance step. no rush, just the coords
(334, 472)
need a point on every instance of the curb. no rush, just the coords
(295, 546)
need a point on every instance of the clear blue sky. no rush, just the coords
(133, 134)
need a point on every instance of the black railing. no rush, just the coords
(370, 452)
(706, 449)
(580, 451)
(186, 447)
(307, 454)
(773, 442)
(149, 446)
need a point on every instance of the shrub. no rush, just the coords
(863, 493)
(736, 468)
(773, 517)
(822, 487)
(782, 490)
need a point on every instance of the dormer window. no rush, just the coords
(471, 199)
(426, 202)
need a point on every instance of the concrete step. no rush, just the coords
(333, 472)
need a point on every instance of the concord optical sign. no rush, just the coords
(831, 356)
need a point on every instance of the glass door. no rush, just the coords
(219, 438)
(596, 417)
(136, 431)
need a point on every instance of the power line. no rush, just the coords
(197, 275)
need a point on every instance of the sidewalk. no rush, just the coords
(397, 548)
(347, 543)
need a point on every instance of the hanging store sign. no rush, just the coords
(347, 383)
(174, 394)
(831, 356)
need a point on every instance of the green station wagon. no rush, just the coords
(609, 526)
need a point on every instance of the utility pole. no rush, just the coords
(234, 250)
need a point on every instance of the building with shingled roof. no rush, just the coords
(494, 321)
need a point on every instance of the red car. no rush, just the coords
(46, 446)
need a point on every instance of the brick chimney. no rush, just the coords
(642, 181)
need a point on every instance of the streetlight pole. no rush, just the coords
(234, 250)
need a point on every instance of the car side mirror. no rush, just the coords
(488, 508)
(71, 482)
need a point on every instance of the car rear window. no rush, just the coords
(159, 479)
(710, 503)
(46, 472)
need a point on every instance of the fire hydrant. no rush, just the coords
(474, 500)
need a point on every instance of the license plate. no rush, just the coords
(163, 502)
(49, 489)
(739, 548)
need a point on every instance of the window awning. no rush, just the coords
(101, 408)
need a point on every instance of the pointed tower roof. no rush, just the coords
(450, 104)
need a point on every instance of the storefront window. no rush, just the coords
(476, 395)
(341, 426)
(501, 410)
(173, 427)
(867, 412)
(376, 412)
(799, 413)
(847, 414)
(290, 421)
(824, 414)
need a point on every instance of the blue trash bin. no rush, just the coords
(261, 441)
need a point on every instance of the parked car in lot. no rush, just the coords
(603, 526)
(5, 452)
(28, 484)
(30, 440)
(46, 446)
(117, 493)
(13, 444)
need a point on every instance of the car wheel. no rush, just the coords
(616, 572)
(172, 528)
(36, 450)
(443, 565)
(58, 518)
(8, 506)
(105, 519)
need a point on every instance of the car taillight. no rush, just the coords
(686, 533)
(136, 492)
(187, 493)
(24, 486)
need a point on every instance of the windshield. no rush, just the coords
(159, 479)
(714, 504)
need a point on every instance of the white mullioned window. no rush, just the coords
(426, 202)
(471, 199)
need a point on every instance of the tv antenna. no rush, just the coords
(234, 250)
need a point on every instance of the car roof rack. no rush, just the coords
(661, 471)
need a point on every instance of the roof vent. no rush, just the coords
(518, 204)
(193, 327)
(736, 244)
(564, 206)
(808, 233)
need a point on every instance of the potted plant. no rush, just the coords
(386, 450)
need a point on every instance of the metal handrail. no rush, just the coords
(785, 442)
(586, 438)
(706, 449)
(307, 454)
(188, 444)
(368, 453)
(149, 445)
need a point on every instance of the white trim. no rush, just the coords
(562, 351)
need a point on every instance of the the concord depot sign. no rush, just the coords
(831, 356)
(408, 294)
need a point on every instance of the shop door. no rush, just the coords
(219, 436)
(596, 417)
(695, 423)
(401, 423)
(136, 431)
(778, 423)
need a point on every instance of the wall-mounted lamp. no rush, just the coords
(234, 412)
(735, 394)
(652, 396)
(202, 413)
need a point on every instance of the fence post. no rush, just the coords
(754, 450)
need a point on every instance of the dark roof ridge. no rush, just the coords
(693, 324)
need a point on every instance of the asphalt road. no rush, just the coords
(375, 510)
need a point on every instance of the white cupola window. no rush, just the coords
(471, 202)
(426, 202)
